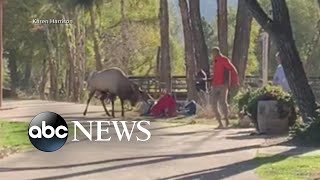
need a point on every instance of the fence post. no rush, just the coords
(265, 52)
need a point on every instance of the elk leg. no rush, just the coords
(122, 108)
(104, 107)
(112, 103)
(88, 101)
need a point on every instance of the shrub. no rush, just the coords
(306, 134)
(205, 108)
(248, 102)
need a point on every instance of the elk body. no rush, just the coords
(111, 83)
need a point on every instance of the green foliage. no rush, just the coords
(211, 36)
(242, 99)
(232, 17)
(176, 40)
(307, 133)
(281, 167)
(304, 16)
(27, 41)
(247, 101)
(253, 63)
(177, 57)
(14, 135)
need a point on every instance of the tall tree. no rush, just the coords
(52, 64)
(201, 50)
(223, 26)
(91, 6)
(280, 30)
(188, 49)
(96, 43)
(80, 59)
(12, 65)
(71, 56)
(1, 51)
(165, 63)
(241, 39)
(312, 47)
(124, 38)
(43, 80)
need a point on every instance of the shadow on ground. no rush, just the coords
(161, 158)
(213, 173)
(234, 169)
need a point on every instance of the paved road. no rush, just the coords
(175, 151)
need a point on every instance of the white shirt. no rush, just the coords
(280, 79)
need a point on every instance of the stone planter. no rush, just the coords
(270, 120)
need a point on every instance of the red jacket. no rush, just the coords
(222, 64)
(165, 103)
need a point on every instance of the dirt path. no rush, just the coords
(175, 151)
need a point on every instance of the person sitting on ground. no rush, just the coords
(165, 106)
(145, 107)
(190, 108)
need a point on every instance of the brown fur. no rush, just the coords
(111, 83)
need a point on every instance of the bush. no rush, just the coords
(248, 102)
(205, 108)
(306, 134)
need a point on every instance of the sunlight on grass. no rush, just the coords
(288, 168)
(14, 135)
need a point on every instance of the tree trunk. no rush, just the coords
(44, 79)
(66, 82)
(280, 30)
(310, 61)
(201, 49)
(81, 60)
(223, 26)
(188, 49)
(96, 45)
(80, 53)
(53, 79)
(70, 42)
(124, 38)
(241, 39)
(71, 79)
(313, 46)
(59, 31)
(76, 83)
(27, 75)
(13, 70)
(1, 50)
(157, 69)
(52, 66)
(165, 64)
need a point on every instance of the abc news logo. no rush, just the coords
(48, 131)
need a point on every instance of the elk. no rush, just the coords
(112, 83)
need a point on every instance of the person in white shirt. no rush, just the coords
(279, 77)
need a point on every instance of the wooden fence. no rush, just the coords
(179, 85)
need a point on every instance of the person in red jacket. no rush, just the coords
(224, 76)
(165, 106)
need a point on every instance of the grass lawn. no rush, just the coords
(289, 168)
(14, 135)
